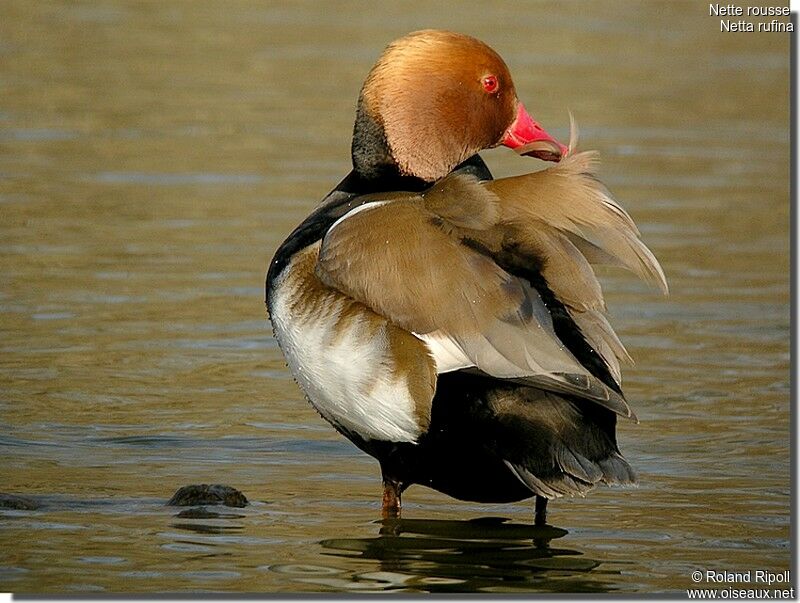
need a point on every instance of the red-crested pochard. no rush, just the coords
(449, 324)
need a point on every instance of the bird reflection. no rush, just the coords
(483, 555)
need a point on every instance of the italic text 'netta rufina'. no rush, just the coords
(449, 324)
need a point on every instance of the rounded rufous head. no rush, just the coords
(435, 98)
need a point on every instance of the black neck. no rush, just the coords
(372, 157)
(388, 178)
(356, 183)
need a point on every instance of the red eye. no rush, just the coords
(490, 83)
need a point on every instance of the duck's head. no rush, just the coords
(434, 99)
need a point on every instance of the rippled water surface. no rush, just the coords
(152, 157)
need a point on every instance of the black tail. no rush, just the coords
(491, 440)
(555, 445)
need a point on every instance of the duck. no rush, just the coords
(449, 324)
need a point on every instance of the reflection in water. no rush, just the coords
(446, 556)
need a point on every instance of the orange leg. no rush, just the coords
(392, 489)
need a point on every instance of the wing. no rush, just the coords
(421, 262)
(569, 199)
(563, 220)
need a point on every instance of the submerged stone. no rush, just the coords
(12, 501)
(208, 494)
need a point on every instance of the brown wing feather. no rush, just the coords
(427, 264)
(570, 199)
(409, 265)
(396, 260)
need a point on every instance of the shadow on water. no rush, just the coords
(481, 555)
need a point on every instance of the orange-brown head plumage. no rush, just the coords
(433, 99)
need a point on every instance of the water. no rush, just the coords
(153, 156)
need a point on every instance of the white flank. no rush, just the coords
(348, 375)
